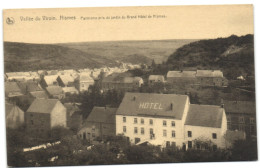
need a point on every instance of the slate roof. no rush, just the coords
(12, 89)
(241, 107)
(102, 115)
(29, 87)
(132, 102)
(209, 73)
(42, 105)
(50, 79)
(205, 116)
(54, 90)
(181, 74)
(66, 79)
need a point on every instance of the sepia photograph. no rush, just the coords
(129, 85)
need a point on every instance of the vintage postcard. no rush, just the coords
(129, 85)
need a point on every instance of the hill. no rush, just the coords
(29, 57)
(234, 55)
(131, 51)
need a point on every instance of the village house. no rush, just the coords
(14, 116)
(120, 82)
(84, 82)
(12, 90)
(166, 119)
(199, 77)
(74, 116)
(155, 79)
(55, 92)
(31, 86)
(43, 115)
(65, 81)
(241, 116)
(211, 78)
(99, 124)
(50, 80)
(181, 77)
(22, 76)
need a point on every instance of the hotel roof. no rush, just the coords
(156, 105)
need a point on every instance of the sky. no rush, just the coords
(174, 22)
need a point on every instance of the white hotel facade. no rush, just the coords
(169, 119)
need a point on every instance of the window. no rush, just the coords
(189, 144)
(164, 123)
(137, 140)
(189, 134)
(135, 120)
(173, 134)
(151, 122)
(164, 133)
(142, 121)
(151, 131)
(252, 120)
(215, 147)
(136, 130)
(142, 130)
(124, 128)
(228, 118)
(167, 143)
(173, 123)
(124, 119)
(252, 129)
(241, 128)
(241, 120)
(214, 136)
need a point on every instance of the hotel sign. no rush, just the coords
(147, 105)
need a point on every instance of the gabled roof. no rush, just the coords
(205, 116)
(84, 77)
(71, 108)
(156, 77)
(50, 79)
(155, 105)
(102, 115)
(14, 115)
(29, 86)
(181, 74)
(42, 105)
(66, 79)
(12, 89)
(209, 73)
(241, 107)
(54, 90)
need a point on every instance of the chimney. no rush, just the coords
(222, 103)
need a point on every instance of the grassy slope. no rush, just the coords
(131, 51)
(28, 57)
